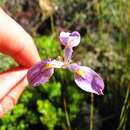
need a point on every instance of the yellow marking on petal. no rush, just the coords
(47, 66)
(67, 44)
(81, 73)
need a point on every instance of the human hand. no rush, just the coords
(15, 42)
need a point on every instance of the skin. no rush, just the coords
(14, 41)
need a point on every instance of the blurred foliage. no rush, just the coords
(2, 2)
(48, 112)
(6, 62)
(48, 47)
(60, 104)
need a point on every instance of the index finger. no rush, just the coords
(15, 42)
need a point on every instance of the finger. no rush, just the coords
(16, 42)
(9, 101)
(5, 105)
(10, 79)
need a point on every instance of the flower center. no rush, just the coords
(59, 58)
(81, 73)
(47, 66)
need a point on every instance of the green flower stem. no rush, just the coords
(124, 108)
(91, 111)
(52, 25)
(67, 115)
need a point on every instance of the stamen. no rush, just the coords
(67, 44)
(65, 66)
(59, 58)
(47, 66)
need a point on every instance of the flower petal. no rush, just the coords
(87, 79)
(73, 67)
(40, 73)
(67, 54)
(74, 38)
(57, 64)
(70, 39)
(64, 37)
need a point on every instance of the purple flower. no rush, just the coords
(69, 40)
(85, 77)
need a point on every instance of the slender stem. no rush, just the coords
(125, 123)
(126, 115)
(66, 114)
(52, 25)
(124, 109)
(121, 123)
(125, 101)
(97, 7)
(91, 111)
(99, 14)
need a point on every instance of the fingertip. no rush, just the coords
(15, 41)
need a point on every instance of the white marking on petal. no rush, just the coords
(57, 64)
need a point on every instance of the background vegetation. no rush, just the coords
(105, 46)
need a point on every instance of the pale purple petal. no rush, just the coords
(64, 37)
(92, 82)
(57, 64)
(74, 38)
(70, 39)
(36, 75)
(87, 79)
(73, 67)
(67, 54)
